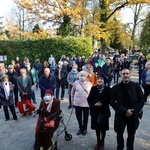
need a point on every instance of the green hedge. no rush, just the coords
(42, 48)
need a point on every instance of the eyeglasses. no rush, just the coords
(125, 73)
(10, 68)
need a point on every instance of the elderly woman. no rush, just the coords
(98, 100)
(6, 96)
(79, 93)
(145, 77)
(48, 107)
(73, 75)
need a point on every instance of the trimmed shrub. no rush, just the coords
(43, 48)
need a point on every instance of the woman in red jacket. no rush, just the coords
(48, 107)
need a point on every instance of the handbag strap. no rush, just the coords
(84, 88)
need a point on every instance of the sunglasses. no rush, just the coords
(10, 68)
(125, 73)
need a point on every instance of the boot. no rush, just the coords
(96, 147)
(101, 145)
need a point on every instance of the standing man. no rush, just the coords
(61, 74)
(47, 81)
(127, 100)
(24, 84)
(108, 70)
(13, 75)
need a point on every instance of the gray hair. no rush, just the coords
(146, 65)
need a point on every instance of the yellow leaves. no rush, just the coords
(139, 2)
(95, 31)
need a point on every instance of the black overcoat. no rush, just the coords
(136, 100)
(104, 98)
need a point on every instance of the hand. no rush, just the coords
(7, 99)
(98, 104)
(42, 124)
(148, 83)
(24, 93)
(129, 112)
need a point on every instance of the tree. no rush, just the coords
(145, 34)
(81, 16)
(66, 28)
(2, 30)
(138, 17)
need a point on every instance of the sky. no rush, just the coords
(6, 6)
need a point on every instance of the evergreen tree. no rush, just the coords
(145, 34)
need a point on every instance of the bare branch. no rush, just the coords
(118, 8)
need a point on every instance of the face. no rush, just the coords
(108, 61)
(148, 66)
(47, 72)
(125, 75)
(5, 79)
(23, 73)
(10, 69)
(47, 98)
(100, 81)
(82, 78)
(90, 70)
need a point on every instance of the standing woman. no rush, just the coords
(79, 93)
(98, 100)
(6, 96)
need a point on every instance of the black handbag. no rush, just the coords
(102, 118)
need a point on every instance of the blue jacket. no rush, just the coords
(2, 95)
(143, 77)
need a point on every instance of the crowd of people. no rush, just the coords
(90, 91)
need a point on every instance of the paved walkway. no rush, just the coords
(19, 135)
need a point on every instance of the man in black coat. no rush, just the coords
(108, 70)
(61, 74)
(127, 100)
(13, 75)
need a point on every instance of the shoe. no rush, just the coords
(30, 113)
(96, 147)
(6, 119)
(69, 107)
(24, 114)
(101, 145)
(62, 98)
(79, 132)
(16, 119)
(84, 132)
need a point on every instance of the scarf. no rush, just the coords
(49, 106)
(100, 88)
(6, 89)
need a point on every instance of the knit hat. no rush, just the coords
(103, 76)
(49, 91)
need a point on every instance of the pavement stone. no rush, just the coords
(20, 135)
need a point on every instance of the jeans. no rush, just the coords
(116, 76)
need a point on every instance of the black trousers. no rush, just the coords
(12, 109)
(146, 92)
(62, 90)
(131, 130)
(82, 114)
(16, 95)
